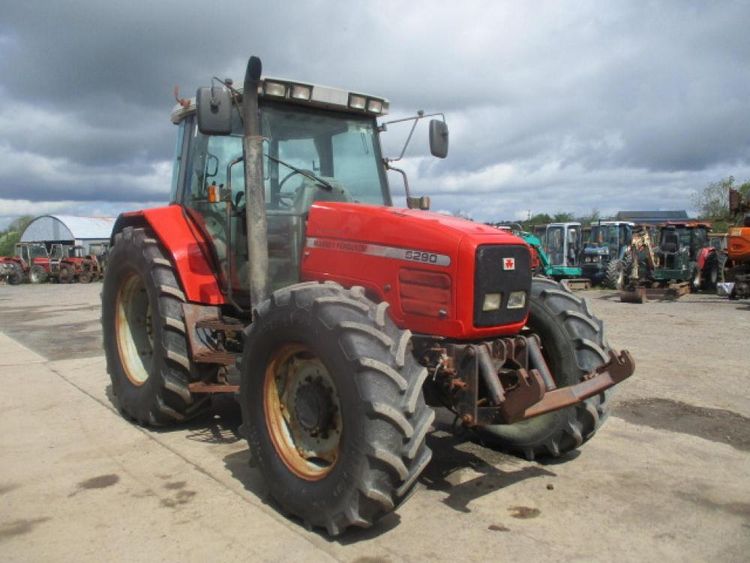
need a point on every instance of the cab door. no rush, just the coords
(214, 176)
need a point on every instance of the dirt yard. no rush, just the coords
(667, 478)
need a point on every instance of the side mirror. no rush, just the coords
(438, 138)
(214, 108)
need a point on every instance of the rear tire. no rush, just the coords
(710, 274)
(145, 340)
(66, 274)
(37, 274)
(573, 344)
(367, 378)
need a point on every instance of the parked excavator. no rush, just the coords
(738, 246)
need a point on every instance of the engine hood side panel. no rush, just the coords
(386, 249)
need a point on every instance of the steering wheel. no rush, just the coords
(288, 196)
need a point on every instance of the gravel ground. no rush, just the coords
(666, 478)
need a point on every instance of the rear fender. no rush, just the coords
(185, 245)
(703, 256)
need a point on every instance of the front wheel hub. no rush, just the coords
(314, 408)
(303, 412)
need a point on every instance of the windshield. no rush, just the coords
(38, 251)
(301, 144)
(606, 235)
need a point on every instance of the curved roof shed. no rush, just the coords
(59, 228)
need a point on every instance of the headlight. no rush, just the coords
(300, 92)
(492, 301)
(516, 300)
(375, 106)
(275, 89)
(357, 102)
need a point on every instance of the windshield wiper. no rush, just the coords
(309, 175)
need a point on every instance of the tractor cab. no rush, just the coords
(684, 253)
(562, 242)
(31, 252)
(607, 241)
(319, 144)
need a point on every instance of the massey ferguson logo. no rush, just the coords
(509, 264)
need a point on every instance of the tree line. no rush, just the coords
(10, 236)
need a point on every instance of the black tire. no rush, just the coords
(84, 277)
(37, 274)
(150, 377)
(15, 276)
(614, 277)
(710, 274)
(384, 420)
(66, 274)
(573, 344)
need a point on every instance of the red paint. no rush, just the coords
(703, 256)
(358, 224)
(185, 244)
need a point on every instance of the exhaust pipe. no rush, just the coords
(255, 197)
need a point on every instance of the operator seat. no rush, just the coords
(669, 246)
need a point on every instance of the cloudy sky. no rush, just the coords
(552, 106)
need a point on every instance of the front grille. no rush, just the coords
(490, 277)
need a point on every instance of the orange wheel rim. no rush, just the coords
(302, 412)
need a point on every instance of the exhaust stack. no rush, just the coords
(257, 223)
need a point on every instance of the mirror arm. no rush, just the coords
(420, 115)
(403, 175)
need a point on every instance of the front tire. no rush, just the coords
(332, 405)
(15, 277)
(573, 344)
(615, 274)
(145, 339)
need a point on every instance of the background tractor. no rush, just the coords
(605, 258)
(738, 247)
(30, 263)
(281, 270)
(561, 243)
(684, 260)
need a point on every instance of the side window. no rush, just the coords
(355, 167)
(210, 158)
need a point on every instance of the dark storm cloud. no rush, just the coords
(552, 106)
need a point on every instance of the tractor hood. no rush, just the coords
(406, 228)
(431, 268)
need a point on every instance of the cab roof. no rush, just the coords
(306, 94)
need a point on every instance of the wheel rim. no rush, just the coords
(302, 412)
(133, 329)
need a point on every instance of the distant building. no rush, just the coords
(69, 230)
(652, 217)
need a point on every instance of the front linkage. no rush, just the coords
(508, 380)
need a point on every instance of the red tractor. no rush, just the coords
(29, 263)
(69, 264)
(281, 270)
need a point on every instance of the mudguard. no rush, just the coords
(186, 246)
